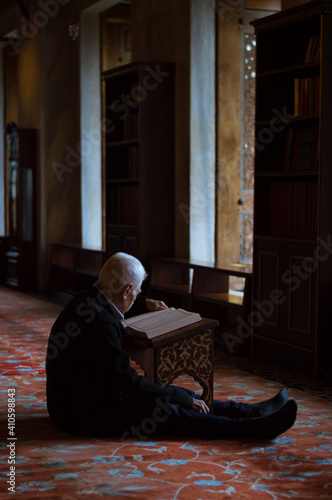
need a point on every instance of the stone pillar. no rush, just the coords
(202, 131)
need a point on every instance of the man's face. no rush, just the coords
(129, 298)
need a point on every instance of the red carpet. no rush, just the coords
(50, 464)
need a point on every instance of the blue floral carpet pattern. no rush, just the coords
(50, 464)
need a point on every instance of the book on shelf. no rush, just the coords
(304, 145)
(301, 148)
(131, 126)
(293, 209)
(133, 167)
(306, 95)
(313, 49)
(154, 324)
(123, 205)
(289, 148)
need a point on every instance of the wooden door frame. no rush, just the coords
(232, 23)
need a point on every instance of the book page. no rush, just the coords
(165, 317)
(134, 319)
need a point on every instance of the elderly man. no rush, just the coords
(92, 389)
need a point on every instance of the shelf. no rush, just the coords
(182, 289)
(284, 240)
(312, 174)
(233, 269)
(303, 69)
(221, 298)
(293, 119)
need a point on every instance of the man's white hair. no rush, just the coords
(120, 270)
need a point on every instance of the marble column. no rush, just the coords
(202, 131)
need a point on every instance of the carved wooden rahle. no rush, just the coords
(186, 350)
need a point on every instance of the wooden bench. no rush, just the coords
(206, 288)
(73, 269)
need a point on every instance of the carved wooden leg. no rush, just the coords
(194, 356)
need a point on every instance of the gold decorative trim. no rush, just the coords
(192, 356)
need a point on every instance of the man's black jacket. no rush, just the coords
(89, 376)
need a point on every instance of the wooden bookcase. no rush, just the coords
(21, 255)
(4, 242)
(138, 158)
(292, 268)
(205, 288)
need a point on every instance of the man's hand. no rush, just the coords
(200, 406)
(155, 305)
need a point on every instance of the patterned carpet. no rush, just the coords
(284, 377)
(39, 461)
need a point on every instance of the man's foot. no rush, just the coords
(274, 424)
(270, 405)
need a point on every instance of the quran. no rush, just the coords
(153, 324)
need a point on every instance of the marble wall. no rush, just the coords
(43, 93)
(60, 203)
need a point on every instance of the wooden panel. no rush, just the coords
(11, 85)
(122, 239)
(228, 134)
(299, 298)
(300, 278)
(89, 260)
(11, 16)
(268, 278)
(113, 243)
(170, 276)
(288, 4)
(210, 281)
(73, 268)
(284, 356)
(63, 256)
(116, 36)
(131, 245)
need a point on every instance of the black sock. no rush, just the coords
(268, 427)
(270, 405)
(276, 423)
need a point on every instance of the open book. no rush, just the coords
(152, 324)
